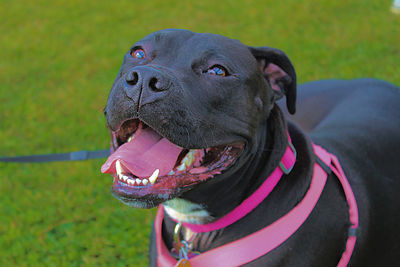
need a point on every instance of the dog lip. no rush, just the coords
(137, 203)
(122, 123)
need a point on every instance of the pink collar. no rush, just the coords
(255, 245)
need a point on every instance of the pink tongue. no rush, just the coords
(147, 152)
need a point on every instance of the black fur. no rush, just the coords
(357, 120)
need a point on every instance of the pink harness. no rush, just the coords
(259, 243)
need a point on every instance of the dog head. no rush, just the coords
(185, 108)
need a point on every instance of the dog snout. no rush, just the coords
(143, 78)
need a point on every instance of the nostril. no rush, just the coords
(132, 78)
(154, 84)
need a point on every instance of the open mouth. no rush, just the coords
(146, 164)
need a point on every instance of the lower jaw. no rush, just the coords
(152, 195)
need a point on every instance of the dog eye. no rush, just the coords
(138, 53)
(217, 70)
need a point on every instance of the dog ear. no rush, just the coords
(279, 72)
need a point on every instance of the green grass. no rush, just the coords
(58, 60)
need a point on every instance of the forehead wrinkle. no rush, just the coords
(168, 38)
(222, 47)
(213, 54)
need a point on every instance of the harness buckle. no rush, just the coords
(182, 249)
(282, 166)
(352, 231)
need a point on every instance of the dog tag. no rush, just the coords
(183, 263)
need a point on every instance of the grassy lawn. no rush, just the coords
(58, 60)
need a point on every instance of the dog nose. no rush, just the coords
(146, 78)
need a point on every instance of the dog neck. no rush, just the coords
(210, 202)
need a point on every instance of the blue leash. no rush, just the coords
(72, 156)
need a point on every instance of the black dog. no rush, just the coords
(196, 126)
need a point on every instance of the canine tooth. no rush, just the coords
(154, 176)
(130, 138)
(118, 168)
(181, 167)
(171, 172)
(187, 160)
(138, 181)
(145, 181)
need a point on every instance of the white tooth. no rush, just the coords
(118, 168)
(145, 181)
(154, 176)
(188, 159)
(181, 167)
(131, 182)
(171, 172)
(124, 177)
(130, 138)
(138, 181)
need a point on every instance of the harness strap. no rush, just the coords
(351, 201)
(353, 212)
(255, 245)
